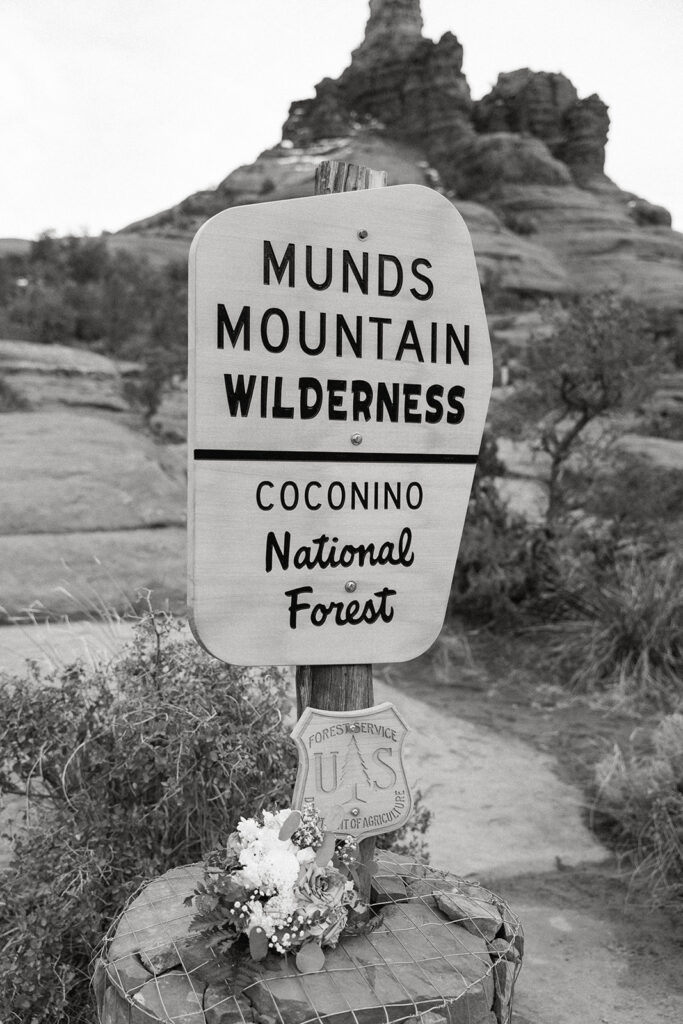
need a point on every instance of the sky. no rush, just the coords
(111, 110)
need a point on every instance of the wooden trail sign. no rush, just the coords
(340, 372)
(351, 769)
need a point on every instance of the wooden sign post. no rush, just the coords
(340, 687)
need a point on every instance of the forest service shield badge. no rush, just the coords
(351, 769)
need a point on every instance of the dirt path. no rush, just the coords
(590, 959)
(502, 814)
(498, 808)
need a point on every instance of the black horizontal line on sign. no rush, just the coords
(228, 455)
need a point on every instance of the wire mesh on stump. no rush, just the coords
(444, 949)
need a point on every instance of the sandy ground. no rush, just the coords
(52, 644)
(498, 808)
(500, 814)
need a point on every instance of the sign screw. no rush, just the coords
(355, 812)
(351, 586)
(356, 438)
(354, 728)
(362, 233)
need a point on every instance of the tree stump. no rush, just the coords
(443, 948)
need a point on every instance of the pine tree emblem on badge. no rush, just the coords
(351, 769)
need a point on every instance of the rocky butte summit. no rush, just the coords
(524, 165)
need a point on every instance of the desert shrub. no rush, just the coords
(631, 496)
(636, 494)
(647, 214)
(130, 769)
(640, 795)
(506, 564)
(167, 353)
(54, 906)
(50, 318)
(591, 359)
(410, 839)
(498, 296)
(627, 631)
(665, 422)
(522, 223)
(501, 570)
(78, 292)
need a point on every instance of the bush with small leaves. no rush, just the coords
(129, 769)
(506, 565)
(410, 839)
(593, 358)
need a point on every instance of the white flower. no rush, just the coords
(269, 863)
(248, 829)
(281, 907)
(268, 840)
(274, 822)
(306, 855)
(280, 869)
(250, 876)
(258, 918)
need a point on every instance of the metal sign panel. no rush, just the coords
(339, 376)
(351, 769)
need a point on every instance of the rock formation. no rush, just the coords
(393, 27)
(524, 165)
(397, 82)
(548, 107)
(415, 89)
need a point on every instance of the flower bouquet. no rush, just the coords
(284, 885)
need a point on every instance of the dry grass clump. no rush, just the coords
(629, 637)
(641, 794)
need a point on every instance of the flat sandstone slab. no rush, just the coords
(67, 471)
(83, 574)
